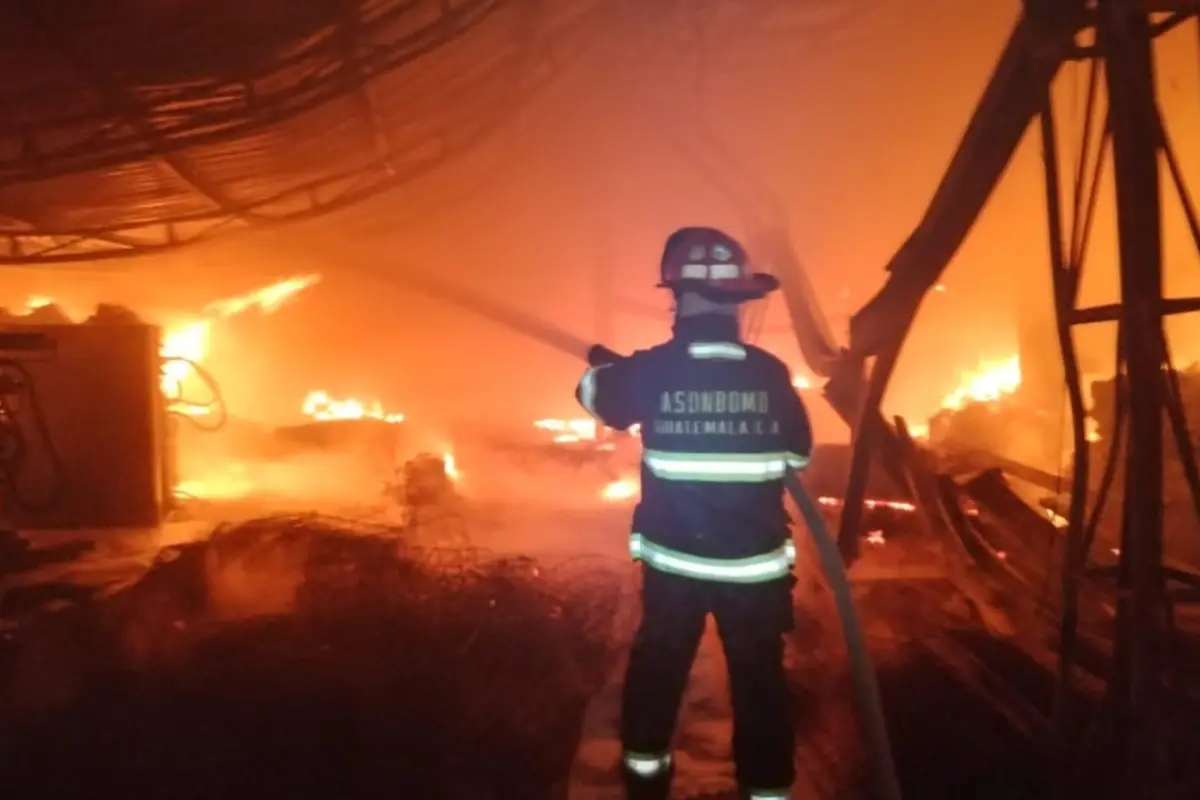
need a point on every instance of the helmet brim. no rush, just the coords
(740, 290)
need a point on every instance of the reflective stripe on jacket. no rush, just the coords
(754, 569)
(720, 423)
(722, 467)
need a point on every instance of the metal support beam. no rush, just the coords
(127, 109)
(1124, 36)
(1065, 278)
(350, 31)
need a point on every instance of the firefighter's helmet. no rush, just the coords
(713, 264)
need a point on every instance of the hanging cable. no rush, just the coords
(194, 412)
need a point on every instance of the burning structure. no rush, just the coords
(312, 109)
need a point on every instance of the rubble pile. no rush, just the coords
(304, 657)
(1179, 510)
(826, 476)
(1007, 428)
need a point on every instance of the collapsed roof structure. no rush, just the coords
(131, 127)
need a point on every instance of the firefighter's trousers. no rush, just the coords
(751, 620)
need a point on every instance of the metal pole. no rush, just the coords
(1123, 33)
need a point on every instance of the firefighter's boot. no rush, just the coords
(765, 794)
(645, 784)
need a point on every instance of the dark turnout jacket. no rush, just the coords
(720, 424)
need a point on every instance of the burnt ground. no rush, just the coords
(968, 715)
(293, 659)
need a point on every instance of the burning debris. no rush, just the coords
(184, 349)
(569, 431)
(1179, 508)
(426, 491)
(185, 344)
(989, 415)
(990, 382)
(602, 443)
(621, 490)
(320, 406)
(185, 341)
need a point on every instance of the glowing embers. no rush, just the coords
(450, 466)
(185, 344)
(621, 490)
(568, 431)
(229, 481)
(870, 503)
(182, 350)
(320, 406)
(991, 381)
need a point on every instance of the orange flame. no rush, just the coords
(567, 431)
(620, 490)
(268, 299)
(188, 341)
(991, 381)
(320, 406)
(229, 482)
(870, 502)
(451, 466)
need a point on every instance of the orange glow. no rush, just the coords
(894, 505)
(268, 299)
(620, 490)
(1056, 519)
(567, 431)
(188, 340)
(320, 406)
(801, 382)
(230, 482)
(992, 381)
(451, 466)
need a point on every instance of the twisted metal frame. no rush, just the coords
(108, 157)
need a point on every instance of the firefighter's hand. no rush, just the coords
(599, 355)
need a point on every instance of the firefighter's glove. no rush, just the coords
(598, 356)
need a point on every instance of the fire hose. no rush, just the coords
(862, 671)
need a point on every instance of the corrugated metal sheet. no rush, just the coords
(133, 116)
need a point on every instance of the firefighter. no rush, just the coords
(720, 425)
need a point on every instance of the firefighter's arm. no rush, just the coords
(797, 431)
(607, 390)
